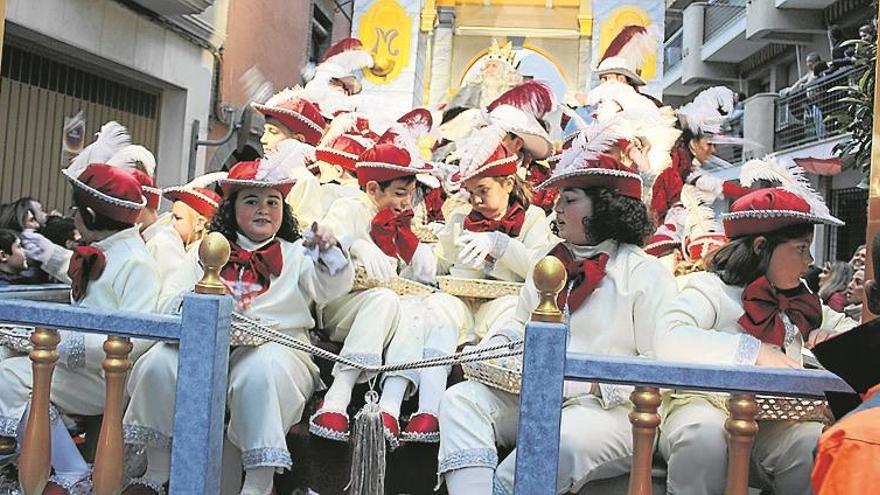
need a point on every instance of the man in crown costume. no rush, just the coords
(498, 74)
(112, 271)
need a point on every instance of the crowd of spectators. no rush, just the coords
(19, 219)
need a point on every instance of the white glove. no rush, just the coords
(437, 228)
(36, 246)
(378, 265)
(477, 246)
(424, 264)
(709, 184)
(493, 340)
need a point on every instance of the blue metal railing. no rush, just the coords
(546, 365)
(202, 331)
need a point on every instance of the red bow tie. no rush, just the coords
(511, 223)
(583, 276)
(87, 263)
(255, 267)
(764, 305)
(393, 234)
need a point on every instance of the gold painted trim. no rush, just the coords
(429, 16)
(546, 33)
(585, 18)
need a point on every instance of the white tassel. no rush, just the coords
(368, 454)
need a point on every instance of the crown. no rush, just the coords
(503, 53)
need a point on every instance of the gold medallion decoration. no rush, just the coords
(386, 31)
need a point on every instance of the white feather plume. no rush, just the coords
(133, 155)
(478, 147)
(284, 95)
(792, 178)
(206, 180)
(588, 145)
(347, 61)
(707, 112)
(342, 124)
(110, 140)
(279, 165)
(700, 218)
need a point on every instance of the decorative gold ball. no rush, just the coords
(382, 66)
(214, 250)
(549, 275)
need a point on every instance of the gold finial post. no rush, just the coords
(213, 253)
(36, 448)
(108, 473)
(742, 427)
(645, 420)
(549, 277)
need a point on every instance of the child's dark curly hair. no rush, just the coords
(617, 217)
(225, 223)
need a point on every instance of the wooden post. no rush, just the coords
(874, 182)
(645, 421)
(742, 427)
(36, 448)
(107, 476)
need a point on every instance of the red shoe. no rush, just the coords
(332, 425)
(423, 427)
(391, 429)
(57, 487)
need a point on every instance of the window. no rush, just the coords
(320, 36)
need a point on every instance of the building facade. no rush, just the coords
(147, 64)
(759, 48)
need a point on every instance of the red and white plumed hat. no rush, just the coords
(409, 132)
(135, 156)
(482, 154)
(793, 202)
(109, 190)
(296, 113)
(275, 170)
(586, 165)
(342, 60)
(665, 239)
(196, 194)
(707, 113)
(702, 232)
(387, 161)
(151, 193)
(520, 109)
(348, 136)
(627, 53)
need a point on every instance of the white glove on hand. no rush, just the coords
(493, 340)
(378, 265)
(424, 264)
(36, 246)
(477, 246)
(709, 184)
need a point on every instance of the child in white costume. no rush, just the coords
(750, 307)
(495, 236)
(269, 385)
(614, 295)
(113, 271)
(377, 225)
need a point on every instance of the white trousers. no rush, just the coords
(694, 443)
(77, 384)
(429, 327)
(364, 322)
(268, 389)
(594, 443)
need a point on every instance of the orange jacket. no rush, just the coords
(849, 454)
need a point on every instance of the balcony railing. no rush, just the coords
(801, 116)
(720, 14)
(672, 51)
(731, 153)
